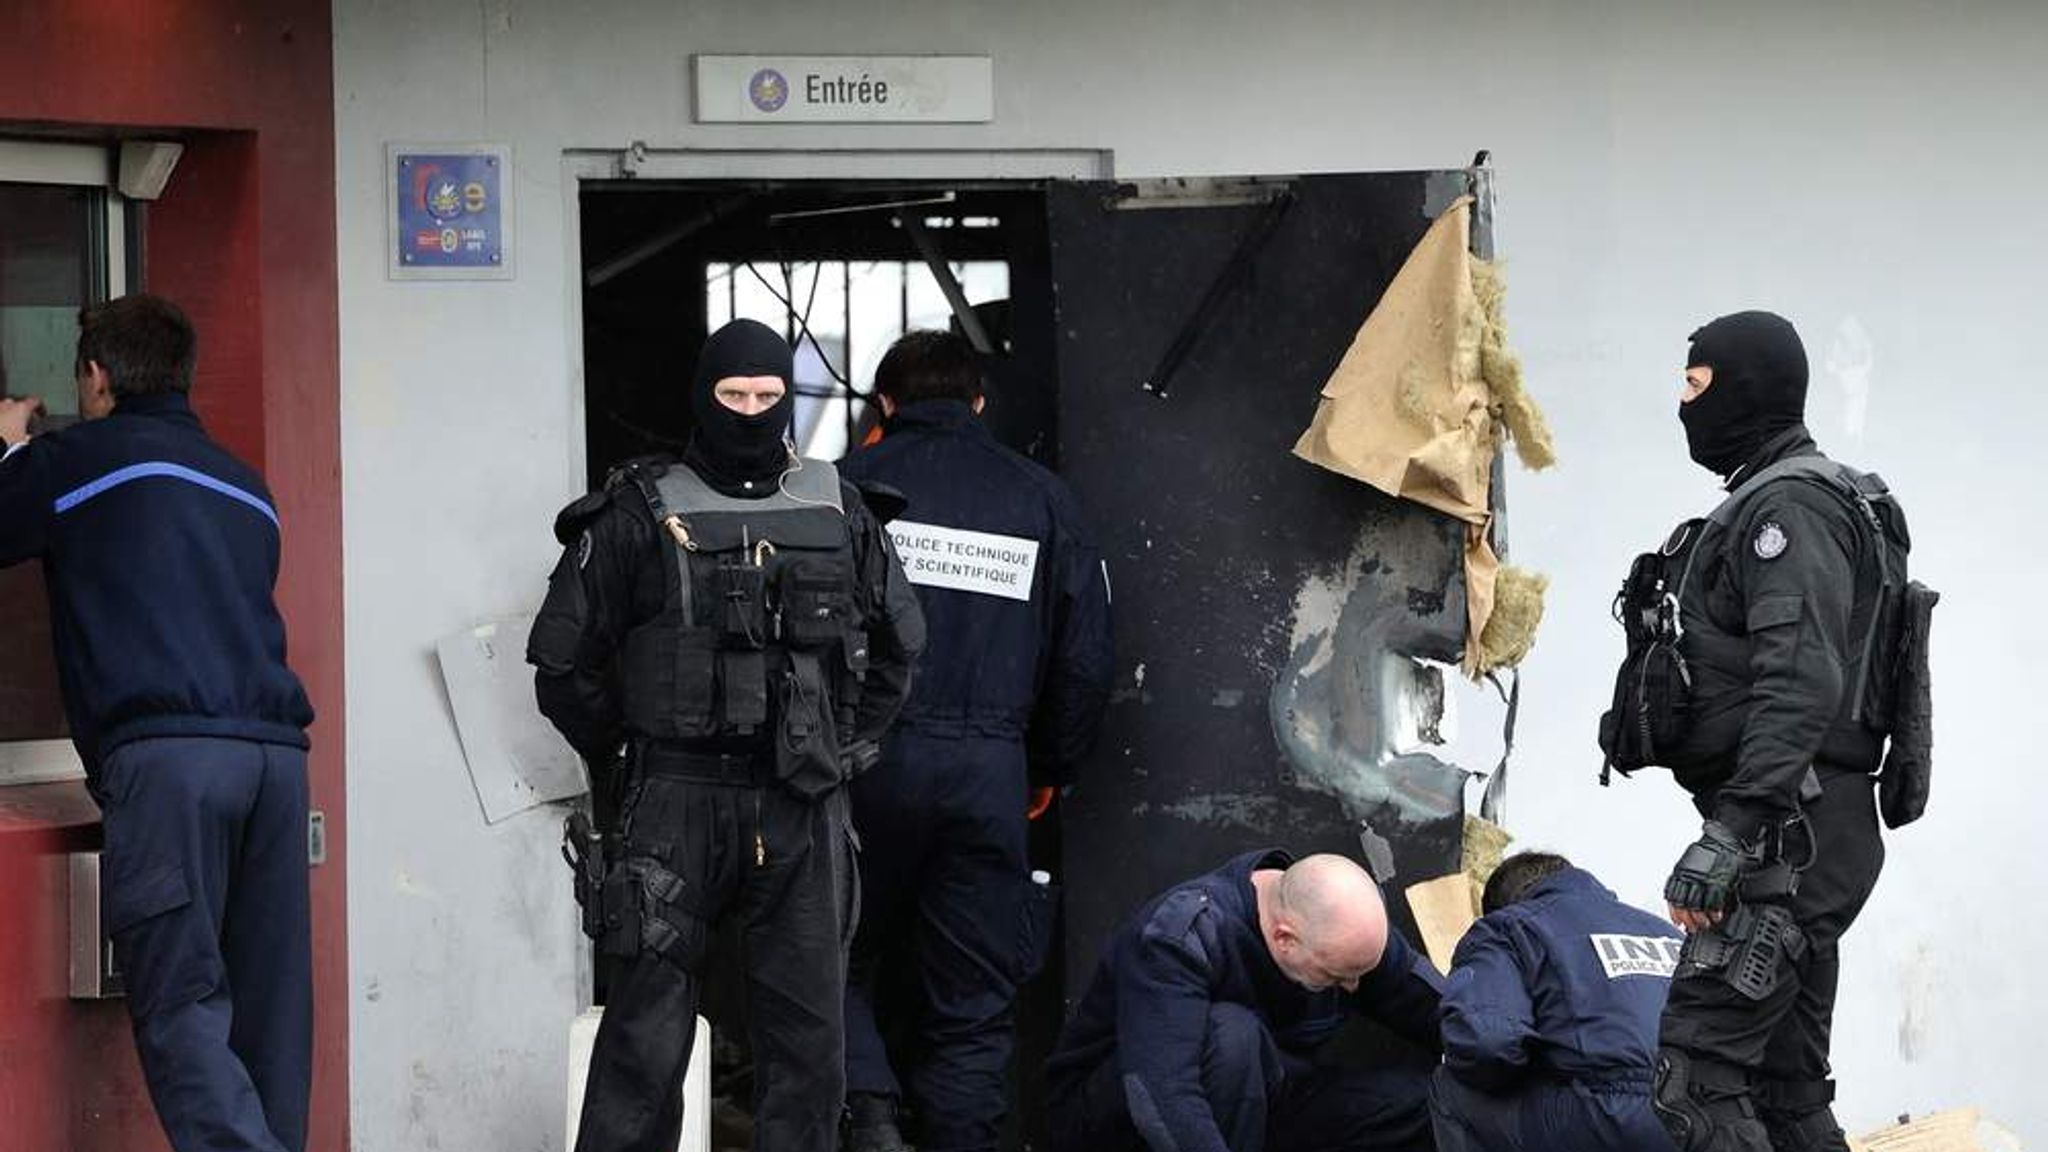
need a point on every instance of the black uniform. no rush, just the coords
(1763, 716)
(737, 622)
(1018, 668)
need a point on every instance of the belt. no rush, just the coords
(704, 767)
(1614, 1080)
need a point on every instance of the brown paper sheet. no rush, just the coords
(1406, 411)
(1951, 1131)
(1444, 912)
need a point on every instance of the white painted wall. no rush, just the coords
(1868, 169)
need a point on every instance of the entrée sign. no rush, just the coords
(845, 89)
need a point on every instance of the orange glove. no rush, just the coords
(1041, 799)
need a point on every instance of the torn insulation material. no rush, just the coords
(1517, 612)
(1422, 399)
(1485, 844)
(1512, 406)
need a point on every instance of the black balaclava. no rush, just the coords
(734, 448)
(1759, 389)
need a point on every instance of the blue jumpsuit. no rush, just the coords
(1550, 1025)
(1190, 1039)
(1009, 692)
(160, 551)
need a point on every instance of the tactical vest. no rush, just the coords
(1681, 698)
(761, 630)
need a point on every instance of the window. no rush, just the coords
(62, 246)
(853, 311)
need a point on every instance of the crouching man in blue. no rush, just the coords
(1199, 1031)
(1550, 1018)
(160, 551)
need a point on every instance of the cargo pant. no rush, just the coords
(946, 888)
(784, 868)
(204, 878)
(1774, 1051)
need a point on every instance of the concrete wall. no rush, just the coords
(1854, 166)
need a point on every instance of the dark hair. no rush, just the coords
(927, 364)
(144, 342)
(1510, 883)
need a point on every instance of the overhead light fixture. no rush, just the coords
(146, 167)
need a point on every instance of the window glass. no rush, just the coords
(47, 268)
(50, 266)
(852, 313)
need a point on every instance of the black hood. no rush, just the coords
(732, 447)
(1758, 392)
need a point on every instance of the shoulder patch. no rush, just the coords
(1771, 541)
(577, 517)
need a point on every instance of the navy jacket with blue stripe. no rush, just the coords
(160, 553)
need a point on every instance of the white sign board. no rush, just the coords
(845, 89)
(516, 758)
(964, 561)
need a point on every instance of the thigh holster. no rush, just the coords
(644, 912)
(1705, 1105)
(1749, 950)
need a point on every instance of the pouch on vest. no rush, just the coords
(815, 603)
(807, 747)
(1653, 689)
(743, 688)
(743, 597)
(1903, 786)
(674, 673)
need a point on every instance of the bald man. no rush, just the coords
(1201, 1029)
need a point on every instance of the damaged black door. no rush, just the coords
(1267, 611)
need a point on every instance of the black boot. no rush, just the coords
(871, 1124)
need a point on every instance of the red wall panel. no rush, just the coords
(244, 239)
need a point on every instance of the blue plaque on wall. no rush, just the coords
(451, 214)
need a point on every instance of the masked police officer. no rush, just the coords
(1017, 671)
(161, 551)
(735, 621)
(1764, 644)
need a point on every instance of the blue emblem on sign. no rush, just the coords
(768, 90)
(441, 197)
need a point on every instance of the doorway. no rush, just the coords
(841, 268)
(1160, 344)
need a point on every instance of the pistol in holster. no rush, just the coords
(588, 853)
(1748, 951)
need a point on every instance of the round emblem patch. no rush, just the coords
(1770, 541)
(768, 89)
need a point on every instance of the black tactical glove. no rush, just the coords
(1708, 873)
